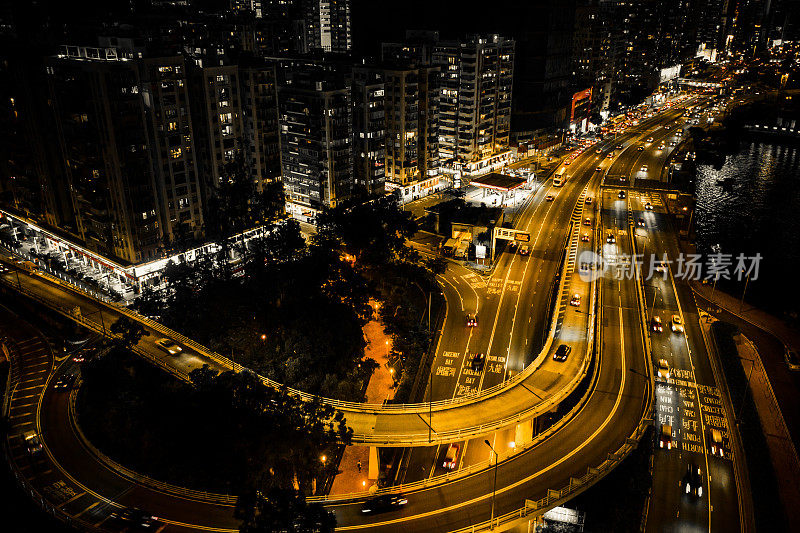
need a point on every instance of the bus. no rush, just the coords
(560, 178)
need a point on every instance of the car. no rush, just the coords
(32, 442)
(524, 250)
(655, 324)
(478, 362)
(640, 148)
(665, 437)
(588, 200)
(679, 134)
(587, 221)
(619, 147)
(610, 239)
(562, 352)
(136, 518)
(598, 169)
(169, 346)
(693, 481)
(79, 357)
(661, 146)
(65, 383)
(649, 139)
(451, 457)
(610, 155)
(648, 206)
(676, 324)
(472, 320)
(584, 237)
(644, 168)
(621, 194)
(567, 162)
(575, 301)
(640, 222)
(663, 369)
(598, 151)
(549, 197)
(716, 442)
(792, 361)
(383, 503)
(673, 143)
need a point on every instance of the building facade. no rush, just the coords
(316, 139)
(475, 101)
(369, 131)
(412, 129)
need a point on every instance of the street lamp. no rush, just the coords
(494, 489)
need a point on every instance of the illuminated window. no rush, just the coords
(175, 152)
(172, 126)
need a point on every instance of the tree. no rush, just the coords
(129, 332)
(281, 510)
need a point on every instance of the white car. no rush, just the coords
(576, 300)
(169, 346)
(644, 168)
(676, 324)
(663, 369)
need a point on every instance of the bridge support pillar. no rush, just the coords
(524, 432)
(374, 463)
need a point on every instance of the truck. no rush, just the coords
(560, 178)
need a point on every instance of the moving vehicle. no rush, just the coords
(792, 361)
(472, 320)
(648, 206)
(665, 437)
(65, 382)
(562, 352)
(640, 222)
(478, 362)
(575, 301)
(560, 178)
(384, 503)
(549, 197)
(676, 324)
(598, 169)
(640, 148)
(136, 518)
(169, 346)
(588, 200)
(451, 457)
(32, 442)
(663, 369)
(587, 221)
(611, 239)
(649, 139)
(655, 324)
(644, 168)
(524, 250)
(693, 481)
(584, 237)
(716, 442)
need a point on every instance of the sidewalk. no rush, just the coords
(380, 388)
(781, 449)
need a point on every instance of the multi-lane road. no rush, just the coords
(511, 304)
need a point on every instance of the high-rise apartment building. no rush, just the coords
(259, 98)
(217, 118)
(104, 142)
(316, 138)
(327, 24)
(165, 93)
(369, 131)
(475, 102)
(412, 129)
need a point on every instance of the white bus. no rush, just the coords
(560, 178)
